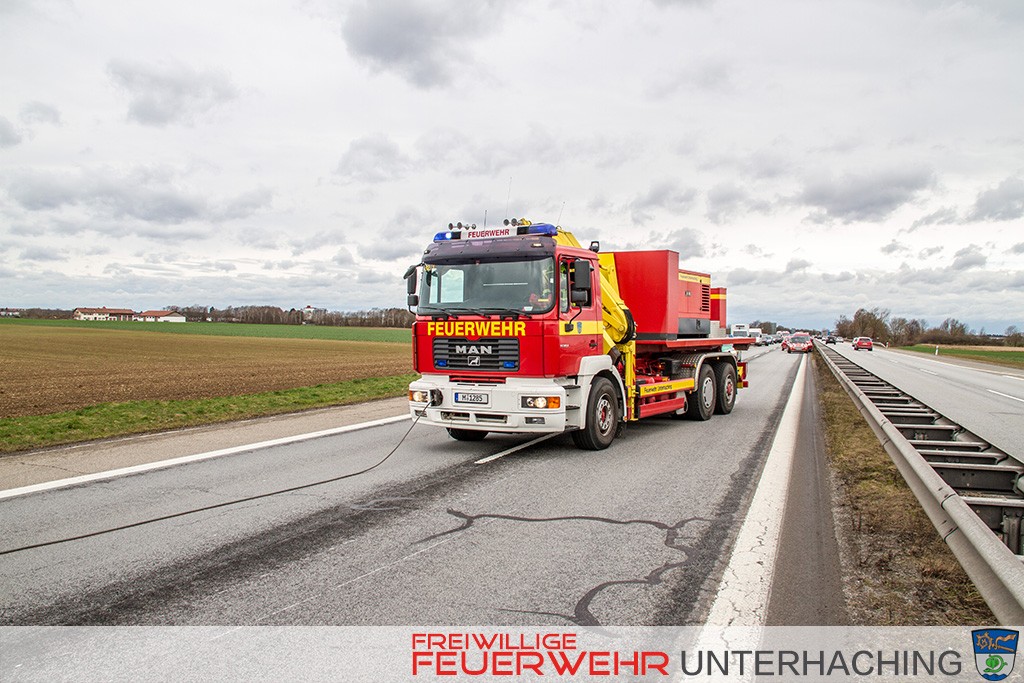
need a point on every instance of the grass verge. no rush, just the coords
(107, 420)
(898, 571)
(1011, 358)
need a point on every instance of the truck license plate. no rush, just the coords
(463, 397)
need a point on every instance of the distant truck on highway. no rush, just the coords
(519, 328)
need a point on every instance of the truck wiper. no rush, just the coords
(436, 312)
(474, 311)
(503, 312)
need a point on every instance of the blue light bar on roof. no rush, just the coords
(542, 229)
(471, 232)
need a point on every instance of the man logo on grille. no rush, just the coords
(483, 349)
(994, 652)
(473, 361)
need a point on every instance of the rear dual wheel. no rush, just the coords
(715, 393)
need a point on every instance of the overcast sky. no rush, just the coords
(814, 156)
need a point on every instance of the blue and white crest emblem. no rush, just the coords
(994, 652)
(579, 328)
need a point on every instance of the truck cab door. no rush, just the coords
(580, 326)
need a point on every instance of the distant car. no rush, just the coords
(830, 339)
(800, 343)
(862, 343)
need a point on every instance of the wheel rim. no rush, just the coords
(604, 414)
(730, 390)
(707, 392)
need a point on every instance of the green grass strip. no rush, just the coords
(381, 334)
(1007, 358)
(107, 420)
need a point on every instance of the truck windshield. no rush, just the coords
(489, 287)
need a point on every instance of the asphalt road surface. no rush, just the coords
(636, 534)
(985, 399)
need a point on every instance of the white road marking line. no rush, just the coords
(746, 584)
(161, 464)
(928, 372)
(512, 450)
(999, 393)
(1019, 379)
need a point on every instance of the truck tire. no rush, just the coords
(725, 389)
(701, 403)
(466, 434)
(602, 417)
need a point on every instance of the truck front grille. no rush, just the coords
(489, 355)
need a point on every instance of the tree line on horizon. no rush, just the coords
(878, 324)
(265, 315)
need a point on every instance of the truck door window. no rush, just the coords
(564, 277)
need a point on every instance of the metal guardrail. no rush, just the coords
(972, 492)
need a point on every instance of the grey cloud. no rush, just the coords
(160, 95)
(244, 205)
(745, 276)
(1003, 203)
(372, 277)
(147, 195)
(280, 265)
(713, 75)
(894, 247)
(687, 242)
(845, 276)
(40, 112)
(41, 254)
(944, 216)
(420, 40)
(727, 200)
(1017, 248)
(667, 195)
(969, 257)
(929, 252)
(373, 159)
(755, 250)
(796, 265)
(343, 257)
(864, 197)
(317, 240)
(390, 249)
(9, 137)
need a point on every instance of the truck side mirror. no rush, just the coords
(578, 297)
(581, 275)
(410, 286)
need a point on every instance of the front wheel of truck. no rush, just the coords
(466, 434)
(602, 417)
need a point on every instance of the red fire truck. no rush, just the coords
(521, 329)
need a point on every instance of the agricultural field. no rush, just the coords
(1008, 356)
(46, 369)
(233, 329)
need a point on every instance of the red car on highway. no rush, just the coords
(800, 343)
(862, 343)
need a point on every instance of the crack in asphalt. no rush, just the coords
(582, 614)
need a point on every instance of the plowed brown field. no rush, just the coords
(46, 370)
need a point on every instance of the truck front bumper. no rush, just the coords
(489, 407)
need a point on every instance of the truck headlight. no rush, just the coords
(419, 396)
(542, 402)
